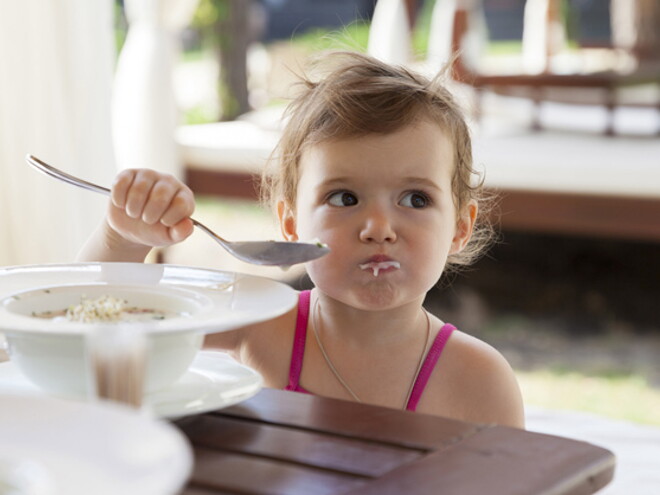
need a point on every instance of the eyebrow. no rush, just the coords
(335, 181)
(422, 181)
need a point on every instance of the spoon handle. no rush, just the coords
(51, 171)
(256, 252)
(63, 176)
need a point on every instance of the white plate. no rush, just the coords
(56, 447)
(226, 300)
(213, 381)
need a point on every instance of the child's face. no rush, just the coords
(384, 205)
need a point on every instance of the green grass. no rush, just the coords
(617, 396)
(196, 54)
(354, 36)
(420, 34)
(200, 114)
(495, 48)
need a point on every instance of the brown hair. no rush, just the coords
(356, 95)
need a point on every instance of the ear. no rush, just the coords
(464, 227)
(287, 218)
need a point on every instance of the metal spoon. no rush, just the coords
(279, 253)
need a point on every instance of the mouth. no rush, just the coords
(379, 264)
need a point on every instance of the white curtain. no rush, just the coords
(145, 114)
(56, 65)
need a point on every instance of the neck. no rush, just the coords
(360, 327)
(366, 337)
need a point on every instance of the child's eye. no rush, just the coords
(415, 199)
(342, 198)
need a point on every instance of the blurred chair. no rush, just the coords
(558, 180)
(545, 70)
(539, 78)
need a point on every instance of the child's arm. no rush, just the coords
(146, 209)
(498, 397)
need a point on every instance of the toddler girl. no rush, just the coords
(374, 161)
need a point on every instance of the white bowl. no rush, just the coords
(51, 352)
(52, 446)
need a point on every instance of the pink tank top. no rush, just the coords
(298, 353)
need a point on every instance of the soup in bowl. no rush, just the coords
(47, 330)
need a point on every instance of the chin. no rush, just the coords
(378, 294)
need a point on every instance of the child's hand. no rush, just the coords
(149, 208)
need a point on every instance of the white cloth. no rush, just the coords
(389, 34)
(56, 63)
(441, 30)
(144, 110)
(441, 34)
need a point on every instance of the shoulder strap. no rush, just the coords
(429, 364)
(298, 351)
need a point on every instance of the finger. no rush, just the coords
(136, 231)
(120, 187)
(138, 193)
(181, 207)
(160, 198)
(181, 230)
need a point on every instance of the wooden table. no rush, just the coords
(288, 443)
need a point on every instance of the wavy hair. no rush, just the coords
(354, 95)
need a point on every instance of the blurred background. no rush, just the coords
(569, 292)
(563, 97)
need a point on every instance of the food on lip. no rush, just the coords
(377, 266)
(104, 309)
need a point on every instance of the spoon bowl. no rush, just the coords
(270, 253)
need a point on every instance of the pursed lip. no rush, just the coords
(378, 258)
(380, 263)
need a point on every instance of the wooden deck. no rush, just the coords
(574, 183)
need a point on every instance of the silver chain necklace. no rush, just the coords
(341, 380)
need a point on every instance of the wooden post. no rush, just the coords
(233, 34)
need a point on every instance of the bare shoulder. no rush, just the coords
(473, 382)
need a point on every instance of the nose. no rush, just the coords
(377, 227)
